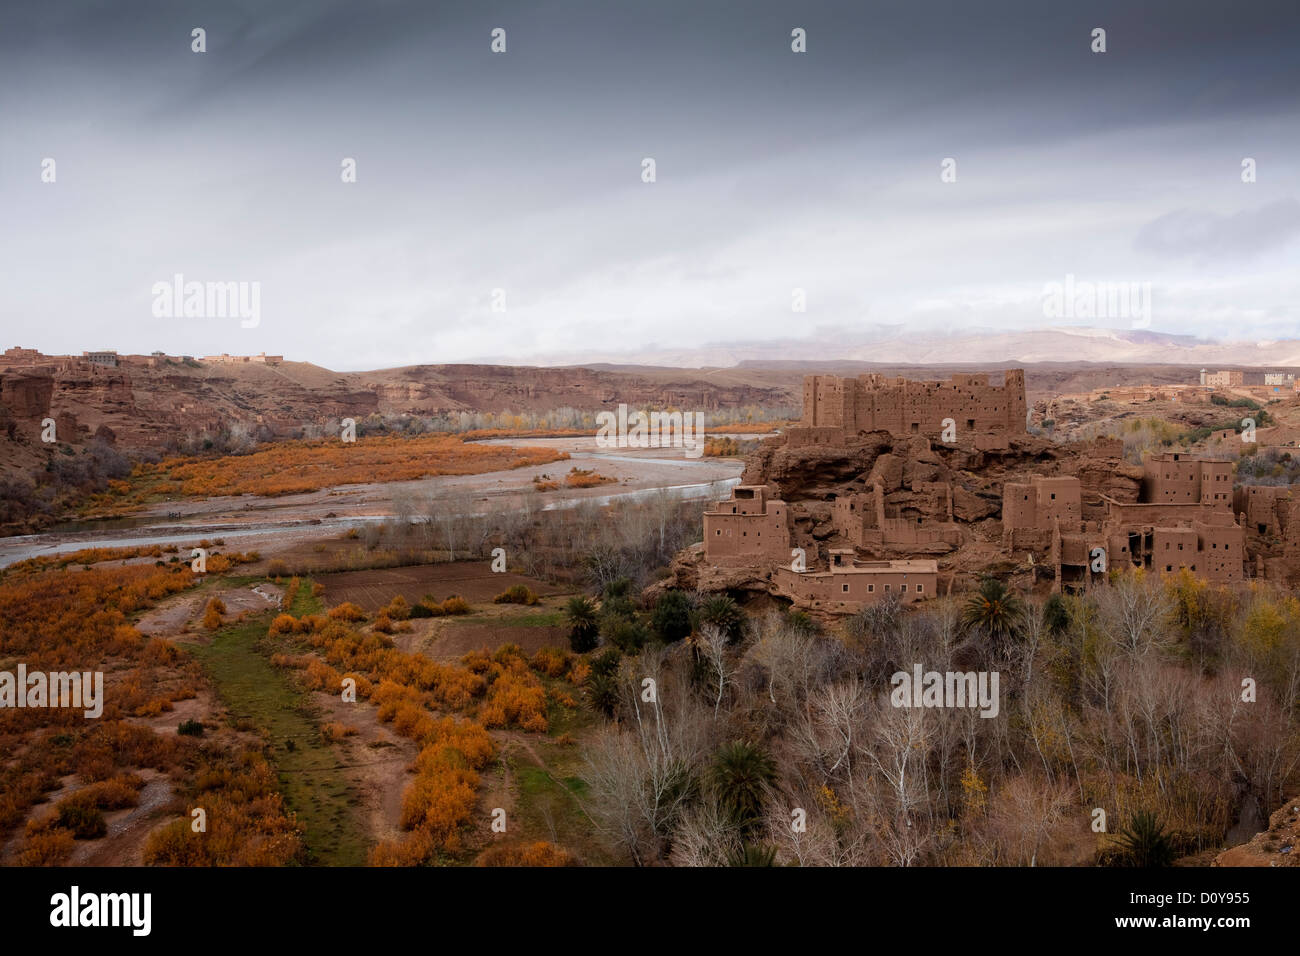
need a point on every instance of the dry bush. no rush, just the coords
(552, 661)
(398, 609)
(516, 594)
(347, 611)
(247, 821)
(212, 616)
(47, 848)
(455, 605)
(287, 468)
(333, 731)
(539, 853)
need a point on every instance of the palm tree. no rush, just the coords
(993, 607)
(1145, 842)
(724, 614)
(741, 775)
(583, 626)
(752, 854)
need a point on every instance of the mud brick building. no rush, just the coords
(747, 529)
(1030, 512)
(1268, 509)
(1223, 379)
(1177, 478)
(849, 584)
(1183, 520)
(863, 520)
(835, 407)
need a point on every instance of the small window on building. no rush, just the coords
(871, 589)
(920, 588)
(1169, 567)
(845, 588)
(886, 588)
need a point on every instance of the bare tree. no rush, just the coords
(1135, 613)
(1027, 818)
(641, 773)
(704, 837)
(711, 643)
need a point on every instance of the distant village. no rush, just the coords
(108, 358)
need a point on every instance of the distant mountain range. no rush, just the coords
(899, 345)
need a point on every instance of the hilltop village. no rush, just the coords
(910, 489)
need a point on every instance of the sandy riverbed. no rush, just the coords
(268, 525)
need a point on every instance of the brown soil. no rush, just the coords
(379, 763)
(472, 580)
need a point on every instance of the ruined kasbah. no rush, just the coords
(890, 489)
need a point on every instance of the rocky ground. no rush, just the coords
(1275, 846)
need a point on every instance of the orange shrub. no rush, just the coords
(540, 853)
(516, 594)
(334, 731)
(439, 803)
(515, 698)
(320, 676)
(294, 467)
(580, 478)
(47, 848)
(347, 611)
(467, 738)
(247, 821)
(415, 849)
(579, 671)
(212, 616)
(455, 605)
(551, 661)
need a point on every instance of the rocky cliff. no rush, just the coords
(146, 406)
(917, 478)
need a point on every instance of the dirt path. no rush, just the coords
(128, 829)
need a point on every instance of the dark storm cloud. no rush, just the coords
(521, 171)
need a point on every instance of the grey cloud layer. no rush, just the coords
(521, 171)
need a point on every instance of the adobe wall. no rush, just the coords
(802, 437)
(1263, 507)
(861, 520)
(1032, 512)
(846, 590)
(747, 529)
(1175, 478)
(874, 402)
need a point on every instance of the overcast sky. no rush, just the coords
(522, 171)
